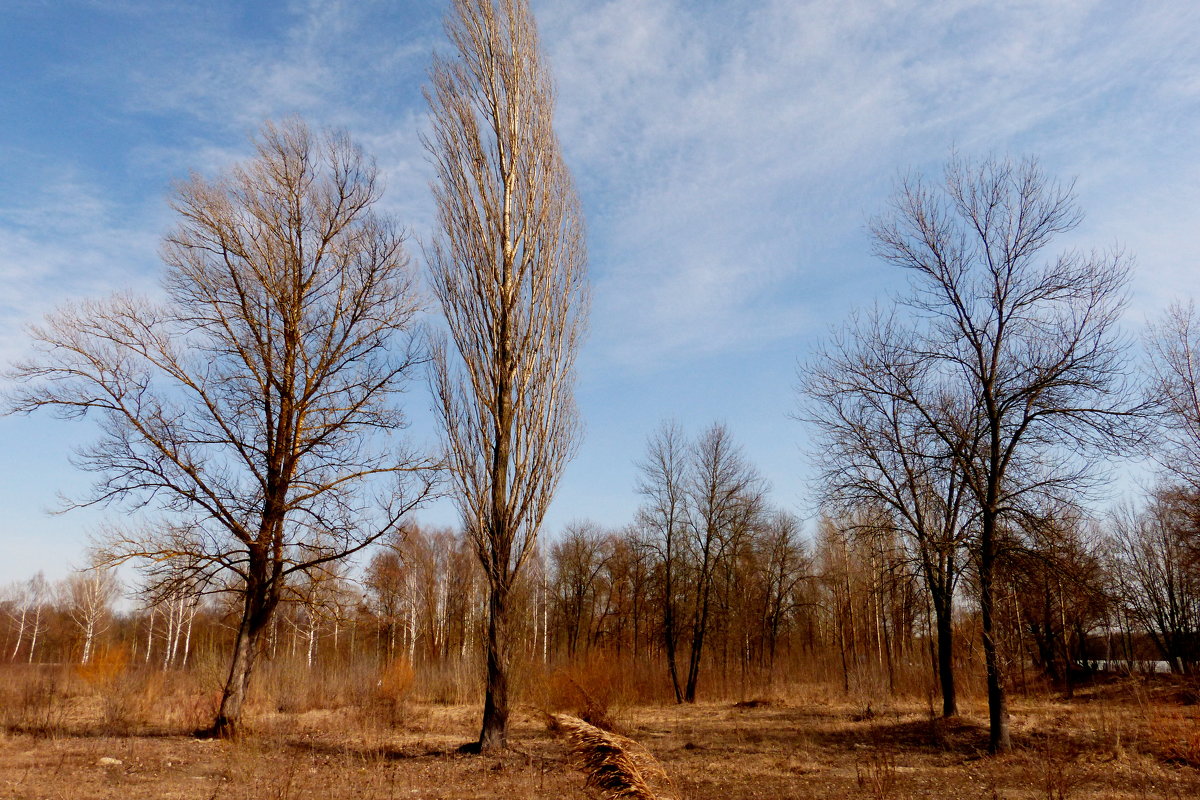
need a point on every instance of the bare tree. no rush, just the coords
(875, 447)
(178, 606)
(784, 564)
(1158, 574)
(703, 501)
(509, 268)
(25, 609)
(663, 484)
(726, 501)
(252, 406)
(578, 559)
(386, 582)
(1011, 357)
(1058, 591)
(1174, 347)
(316, 598)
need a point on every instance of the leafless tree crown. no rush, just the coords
(1174, 347)
(252, 392)
(509, 267)
(994, 378)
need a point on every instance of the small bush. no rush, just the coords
(36, 700)
(392, 690)
(875, 774)
(591, 690)
(105, 668)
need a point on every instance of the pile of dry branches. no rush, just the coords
(616, 766)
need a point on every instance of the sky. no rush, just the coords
(728, 157)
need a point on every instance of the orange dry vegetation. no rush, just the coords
(1124, 740)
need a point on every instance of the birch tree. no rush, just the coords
(508, 266)
(89, 596)
(27, 599)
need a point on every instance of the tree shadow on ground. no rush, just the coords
(371, 752)
(91, 731)
(411, 752)
(953, 735)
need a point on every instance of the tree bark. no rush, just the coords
(670, 636)
(943, 611)
(699, 629)
(999, 740)
(493, 735)
(260, 602)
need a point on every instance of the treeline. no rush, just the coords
(734, 599)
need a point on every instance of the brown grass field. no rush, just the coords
(92, 739)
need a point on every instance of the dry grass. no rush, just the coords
(598, 689)
(1124, 741)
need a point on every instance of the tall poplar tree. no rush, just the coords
(508, 265)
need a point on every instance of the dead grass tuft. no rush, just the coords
(36, 702)
(1176, 738)
(875, 773)
(758, 702)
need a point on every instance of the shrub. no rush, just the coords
(590, 690)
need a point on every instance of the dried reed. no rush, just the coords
(616, 766)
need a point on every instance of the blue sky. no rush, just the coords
(728, 156)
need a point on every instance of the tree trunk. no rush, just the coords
(669, 641)
(37, 627)
(172, 636)
(259, 605)
(699, 628)
(20, 636)
(88, 635)
(312, 644)
(150, 634)
(187, 639)
(494, 734)
(545, 622)
(998, 732)
(943, 611)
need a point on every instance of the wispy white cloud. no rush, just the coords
(730, 157)
(206, 86)
(64, 240)
(342, 63)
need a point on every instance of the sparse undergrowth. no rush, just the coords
(1121, 741)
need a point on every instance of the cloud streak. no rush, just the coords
(730, 159)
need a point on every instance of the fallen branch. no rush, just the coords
(616, 766)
